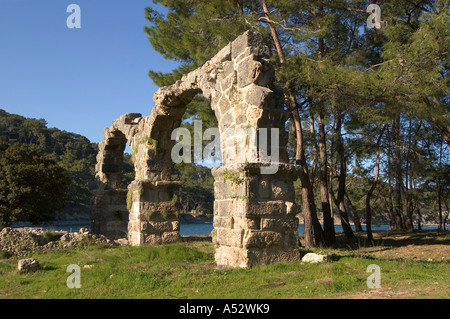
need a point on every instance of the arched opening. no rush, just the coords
(196, 152)
(109, 212)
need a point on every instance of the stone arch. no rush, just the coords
(254, 213)
(109, 213)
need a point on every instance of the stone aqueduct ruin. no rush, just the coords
(254, 213)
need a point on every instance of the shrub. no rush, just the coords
(5, 254)
(51, 235)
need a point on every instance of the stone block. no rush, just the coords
(290, 239)
(228, 69)
(229, 237)
(261, 239)
(227, 119)
(129, 118)
(223, 55)
(248, 71)
(228, 81)
(149, 195)
(266, 75)
(170, 237)
(263, 189)
(152, 240)
(134, 226)
(254, 113)
(159, 227)
(252, 40)
(231, 257)
(223, 222)
(28, 265)
(253, 223)
(258, 96)
(241, 119)
(282, 190)
(256, 257)
(266, 208)
(112, 160)
(314, 258)
(135, 238)
(279, 224)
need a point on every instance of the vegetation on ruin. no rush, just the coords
(129, 199)
(167, 214)
(234, 178)
(151, 144)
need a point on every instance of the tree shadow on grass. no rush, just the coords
(385, 239)
(49, 267)
(423, 237)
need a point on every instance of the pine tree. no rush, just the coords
(344, 84)
(32, 185)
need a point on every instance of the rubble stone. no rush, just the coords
(28, 265)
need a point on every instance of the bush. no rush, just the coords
(5, 254)
(51, 235)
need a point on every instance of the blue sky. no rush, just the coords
(78, 80)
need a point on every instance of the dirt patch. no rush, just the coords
(405, 292)
(415, 252)
(431, 246)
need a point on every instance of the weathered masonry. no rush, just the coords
(254, 213)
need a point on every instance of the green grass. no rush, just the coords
(187, 270)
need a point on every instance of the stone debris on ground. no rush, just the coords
(314, 258)
(26, 240)
(28, 265)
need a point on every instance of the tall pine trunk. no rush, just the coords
(354, 213)
(312, 225)
(372, 188)
(398, 206)
(419, 219)
(368, 196)
(439, 198)
(342, 177)
(328, 224)
(389, 202)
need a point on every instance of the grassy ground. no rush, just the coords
(413, 265)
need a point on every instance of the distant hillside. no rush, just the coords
(77, 155)
(74, 152)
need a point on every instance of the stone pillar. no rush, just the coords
(153, 208)
(109, 213)
(254, 215)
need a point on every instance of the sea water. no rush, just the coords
(185, 229)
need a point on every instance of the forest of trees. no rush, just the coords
(72, 156)
(370, 122)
